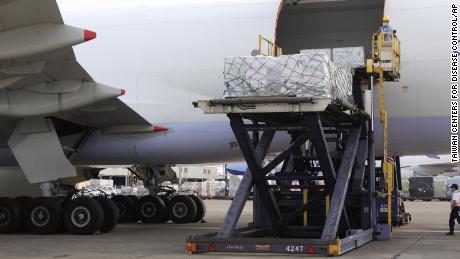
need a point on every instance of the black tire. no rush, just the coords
(137, 208)
(166, 200)
(111, 214)
(43, 216)
(181, 209)
(83, 216)
(152, 209)
(24, 200)
(200, 208)
(126, 208)
(11, 216)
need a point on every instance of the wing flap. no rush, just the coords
(105, 114)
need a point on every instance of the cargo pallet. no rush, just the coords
(322, 201)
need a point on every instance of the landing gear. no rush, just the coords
(165, 203)
(152, 210)
(110, 214)
(11, 214)
(126, 208)
(24, 200)
(182, 209)
(66, 210)
(43, 216)
(83, 216)
(200, 208)
(137, 205)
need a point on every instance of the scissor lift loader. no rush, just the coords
(323, 199)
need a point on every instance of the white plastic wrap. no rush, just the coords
(347, 58)
(300, 75)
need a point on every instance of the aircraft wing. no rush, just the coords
(40, 76)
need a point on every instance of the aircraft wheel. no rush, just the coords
(11, 216)
(43, 216)
(137, 207)
(126, 208)
(152, 209)
(111, 215)
(24, 200)
(200, 208)
(166, 200)
(182, 209)
(83, 216)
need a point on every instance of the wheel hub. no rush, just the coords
(148, 209)
(5, 216)
(40, 216)
(80, 216)
(180, 209)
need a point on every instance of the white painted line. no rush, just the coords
(205, 228)
(423, 230)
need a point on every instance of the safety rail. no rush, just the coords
(386, 49)
(271, 48)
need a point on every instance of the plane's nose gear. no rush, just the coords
(10, 215)
(152, 209)
(43, 215)
(83, 216)
(182, 209)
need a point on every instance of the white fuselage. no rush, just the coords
(167, 54)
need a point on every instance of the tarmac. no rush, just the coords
(423, 238)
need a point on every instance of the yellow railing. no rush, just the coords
(380, 44)
(268, 48)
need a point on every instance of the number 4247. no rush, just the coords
(294, 249)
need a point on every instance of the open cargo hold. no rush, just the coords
(300, 75)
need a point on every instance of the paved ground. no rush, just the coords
(423, 238)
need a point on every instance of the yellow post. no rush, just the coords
(305, 201)
(260, 44)
(327, 204)
(386, 166)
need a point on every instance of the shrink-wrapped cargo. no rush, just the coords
(300, 75)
